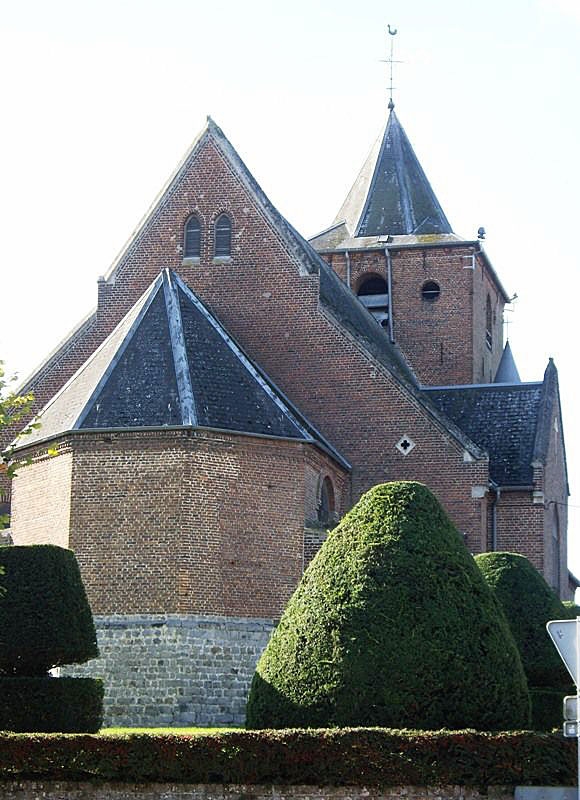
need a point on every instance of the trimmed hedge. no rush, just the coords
(392, 624)
(64, 705)
(339, 757)
(45, 617)
(548, 708)
(528, 603)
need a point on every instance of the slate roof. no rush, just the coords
(169, 362)
(392, 195)
(502, 419)
(507, 371)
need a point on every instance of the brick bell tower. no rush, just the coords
(437, 294)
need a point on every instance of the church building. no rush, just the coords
(238, 388)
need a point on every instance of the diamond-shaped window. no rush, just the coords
(405, 445)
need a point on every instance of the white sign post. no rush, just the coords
(565, 633)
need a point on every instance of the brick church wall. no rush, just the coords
(273, 310)
(485, 358)
(445, 340)
(520, 526)
(435, 336)
(176, 521)
(42, 513)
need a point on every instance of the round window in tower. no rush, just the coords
(430, 291)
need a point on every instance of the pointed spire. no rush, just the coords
(507, 372)
(392, 195)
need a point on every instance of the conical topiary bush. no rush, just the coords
(392, 624)
(528, 603)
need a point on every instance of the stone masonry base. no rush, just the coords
(176, 670)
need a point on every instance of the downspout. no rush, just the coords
(496, 497)
(347, 259)
(390, 293)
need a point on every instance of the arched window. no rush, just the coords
(488, 322)
(373, 294)
(223, 237)
(326, 505)
(192, 247)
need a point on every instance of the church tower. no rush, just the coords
(436, 293)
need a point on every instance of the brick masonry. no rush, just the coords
(444, 341)
(355, 403)
(178, 521)
(206, 523)
(69, 790)
(176, 669)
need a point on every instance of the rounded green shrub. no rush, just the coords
(393, 625)
(528, 603)
(45, 617)
(51, 705)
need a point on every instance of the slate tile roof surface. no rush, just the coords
(501, 419)
(169, 362)
(392, 194)
(141, 389)
(507, 371)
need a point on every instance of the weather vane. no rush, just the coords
(390, 61)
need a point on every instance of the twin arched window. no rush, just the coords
(192, 238)
(222, 246)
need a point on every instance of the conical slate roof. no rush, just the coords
(507, 372)
(169, 362)
(392, 195)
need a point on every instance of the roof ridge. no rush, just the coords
(179, 351)
(240, 355)
(293, 414)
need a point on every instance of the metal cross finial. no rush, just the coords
(390, 61)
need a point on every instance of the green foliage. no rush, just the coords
(367, 757)
(547, 708)
(392, 624)
(45, 617)
(572, 610)
(528, 603)
(65, 705)
(13, 409)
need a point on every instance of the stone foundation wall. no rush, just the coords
(67, 790)
(176, 670)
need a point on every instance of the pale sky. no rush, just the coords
(100, 100)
